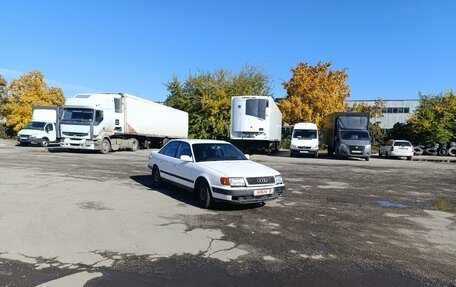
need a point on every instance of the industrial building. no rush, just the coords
(393, 112)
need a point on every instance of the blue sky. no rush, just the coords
(392, 49)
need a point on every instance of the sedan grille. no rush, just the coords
(260, 180)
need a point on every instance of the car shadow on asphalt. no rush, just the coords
(186, 196)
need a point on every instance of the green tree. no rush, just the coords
(435, 118)
(313, 92)
(207, 98)
(22, 94)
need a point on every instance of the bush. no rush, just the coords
(3, 132)
(285, 142)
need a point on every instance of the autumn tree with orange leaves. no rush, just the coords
(314, 92)
(21, 95)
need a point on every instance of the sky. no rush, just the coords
(392, 49)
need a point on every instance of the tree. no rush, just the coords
(435, 118)
(313, 92)
(207, 98)
(375, 110)
(22, 94)
(2, 88)
(402, 131)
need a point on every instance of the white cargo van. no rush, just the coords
(43, 128)
(304, 140)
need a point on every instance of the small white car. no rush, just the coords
(216, 170)
(396, 148)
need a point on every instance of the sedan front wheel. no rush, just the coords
(204, 195)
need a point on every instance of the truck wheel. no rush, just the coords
(410, 158)
(367, 158)
(379, 153)
(156, 179)
(45, 142)
(204, 195)
(134, 145)
(105, 146)
(316, 155)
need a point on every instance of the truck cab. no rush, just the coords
(304, 140)
(353, 143)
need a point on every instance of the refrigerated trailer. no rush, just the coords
(115, 121)
(256, 123)
(43, 129)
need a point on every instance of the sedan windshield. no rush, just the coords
(35, 126)
(305, 134)
(217, 152)
(78, 115)
(355, 135)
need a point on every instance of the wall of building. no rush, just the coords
(394, 111)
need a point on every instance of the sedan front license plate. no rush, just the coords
(304, 151)
(356, 151)
(260, 192)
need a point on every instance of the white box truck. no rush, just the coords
(43, 129)
(114, 121)
(304, 140)
(256, 123)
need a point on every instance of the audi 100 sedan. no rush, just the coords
(216, 171)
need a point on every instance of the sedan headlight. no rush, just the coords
(343, 146)
(278, 179)
(232, 181)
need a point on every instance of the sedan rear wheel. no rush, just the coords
(156, 179)
(204, 195)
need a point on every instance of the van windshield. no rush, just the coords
(305, 134)
(77, 115)
(355, 135)
(35, 126)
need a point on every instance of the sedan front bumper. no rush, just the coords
(246, 196)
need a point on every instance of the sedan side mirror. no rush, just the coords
(247, 156)
(186, 158)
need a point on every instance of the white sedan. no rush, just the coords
(216, 170)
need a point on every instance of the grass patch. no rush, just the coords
(445, 205)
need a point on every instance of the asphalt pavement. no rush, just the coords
(87, 219)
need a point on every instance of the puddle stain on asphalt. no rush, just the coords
(386, 203)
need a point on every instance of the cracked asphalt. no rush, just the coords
(86, 219)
